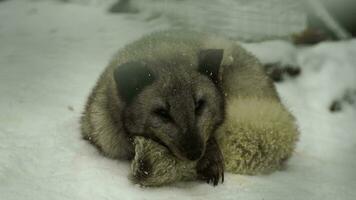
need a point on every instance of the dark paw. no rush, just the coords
(211, 168)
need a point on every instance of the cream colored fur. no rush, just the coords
(258, 135)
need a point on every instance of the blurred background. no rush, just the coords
(251, 19)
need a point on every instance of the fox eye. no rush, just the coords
(163, 114)
(199, 106)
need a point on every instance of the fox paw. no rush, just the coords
(211, 168)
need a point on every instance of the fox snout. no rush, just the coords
(192, 147)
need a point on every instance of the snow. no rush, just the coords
(250, 20)
(51, 54)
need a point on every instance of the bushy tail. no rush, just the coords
(258, 135)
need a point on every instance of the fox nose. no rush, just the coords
(194, 154)
(192, 147)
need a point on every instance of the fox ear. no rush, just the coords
(209, 63)
(131, 78)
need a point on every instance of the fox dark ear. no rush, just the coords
(209, 63)
(131, 78)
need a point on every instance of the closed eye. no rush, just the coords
(199, 106)
(162, 113)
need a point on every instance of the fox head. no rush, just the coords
(177, 105)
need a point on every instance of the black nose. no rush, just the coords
(192, 147)
(194, 154)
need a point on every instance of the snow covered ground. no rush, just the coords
(51, 53)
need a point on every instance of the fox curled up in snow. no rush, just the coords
(171, 87)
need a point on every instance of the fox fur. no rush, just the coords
(257, 135)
